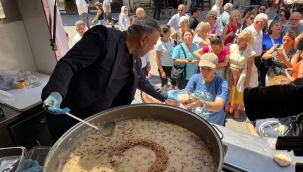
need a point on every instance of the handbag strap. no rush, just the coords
(184, 54)
(183, 51)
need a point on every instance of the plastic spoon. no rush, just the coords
(106, 130)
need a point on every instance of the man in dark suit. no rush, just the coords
(100, 72)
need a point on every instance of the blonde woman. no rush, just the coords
(230, 29)
(100, 14)
(241, 54)
(201, 34)
(282, 55)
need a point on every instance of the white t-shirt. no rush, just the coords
(145, 59)
(197, 39)
(81, 5)
(257, 46)
(105, 3)
(76, 39)
(166, 49)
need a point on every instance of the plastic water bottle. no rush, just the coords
(199, 111)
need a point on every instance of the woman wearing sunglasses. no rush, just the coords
(281, 9)
(284, 18)
(263, 9)
(248, 20)
(214, 26)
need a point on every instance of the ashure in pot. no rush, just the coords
(57, 157)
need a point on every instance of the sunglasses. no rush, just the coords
(251, 18)
(262, 9)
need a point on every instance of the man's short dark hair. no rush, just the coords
(193, 10)
(145, 25)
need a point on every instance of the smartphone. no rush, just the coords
(289, 72)
(280, 50)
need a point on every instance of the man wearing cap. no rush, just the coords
(193, 20)
(175, 20)
(211, 91)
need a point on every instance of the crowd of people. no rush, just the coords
(221, 56)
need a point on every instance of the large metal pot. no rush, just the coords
(56, 156)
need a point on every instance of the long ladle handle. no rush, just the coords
(81, 120)
(73, 116)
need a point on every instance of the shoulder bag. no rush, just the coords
(179, 73)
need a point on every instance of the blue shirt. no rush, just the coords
(179, 54)
(267, 42)
(209, 92)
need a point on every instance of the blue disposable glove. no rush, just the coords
(30, 165)
(52, 104)
(34, 169)
(173, 95)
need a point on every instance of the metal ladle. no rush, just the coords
(106, 130)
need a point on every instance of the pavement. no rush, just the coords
(69, 26)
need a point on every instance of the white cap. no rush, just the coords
(182, 18)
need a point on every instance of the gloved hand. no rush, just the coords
(34, 169)
(52, 104)
(30, 165)
(173, 95)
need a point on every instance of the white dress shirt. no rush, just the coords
(81, 5)
(257, 46)
(76, 39)
(174, 21)
(145, 59)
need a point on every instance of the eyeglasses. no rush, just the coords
(262, 9)
(180, 10)
(281, 10)
(294, 19)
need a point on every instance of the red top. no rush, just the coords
(231, 28)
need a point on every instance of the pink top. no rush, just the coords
(221, 55)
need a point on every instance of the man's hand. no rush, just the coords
(87, 5)
(52, 104)
(197, 103)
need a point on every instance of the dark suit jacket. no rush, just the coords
(83, 75)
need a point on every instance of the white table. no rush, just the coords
(27, 97)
